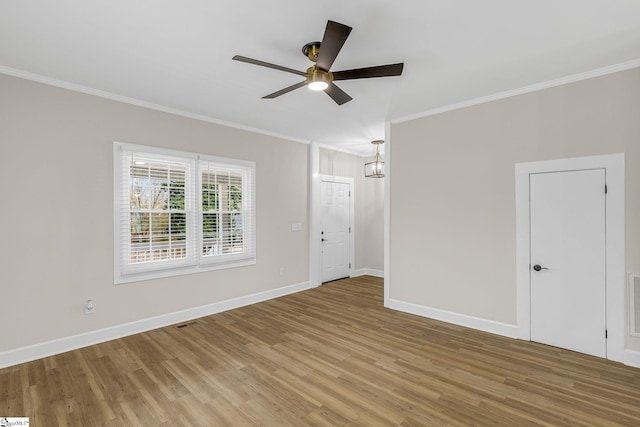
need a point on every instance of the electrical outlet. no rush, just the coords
(89, 307)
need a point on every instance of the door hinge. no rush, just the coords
(349, 229)
(605, 189)
(349, 193)
(606, 334)
(349, 265)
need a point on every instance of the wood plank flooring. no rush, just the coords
(330, 356)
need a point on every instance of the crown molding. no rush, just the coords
(139, 103)
(523, 90)
(344, 150)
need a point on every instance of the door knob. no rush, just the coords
(538, 267)
(323, 239)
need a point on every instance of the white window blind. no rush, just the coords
(178, 212)
(228, 230)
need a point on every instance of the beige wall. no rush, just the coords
(57, 212)
(452, 226)
(373, 226)
(369, 206)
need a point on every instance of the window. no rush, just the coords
(180, 213)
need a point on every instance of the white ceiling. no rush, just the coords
(177, 54)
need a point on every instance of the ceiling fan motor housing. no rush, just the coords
(322, 78)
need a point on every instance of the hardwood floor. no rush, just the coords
(329, 356)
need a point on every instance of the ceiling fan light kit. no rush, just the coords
(318, 80)
(318, 77)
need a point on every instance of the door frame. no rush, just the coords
(614, 166)
(340, 180)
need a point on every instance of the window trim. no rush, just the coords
(199, 263)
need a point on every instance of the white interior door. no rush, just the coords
(567, 260)
(335, 239)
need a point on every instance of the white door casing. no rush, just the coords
(614, 167)
(567, 278)
(336, 228)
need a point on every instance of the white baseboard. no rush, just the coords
(632, 358)
(367, 272)
(491, 326)
(49, 348)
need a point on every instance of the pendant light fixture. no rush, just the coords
(375, 169)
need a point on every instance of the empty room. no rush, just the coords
(194, 234)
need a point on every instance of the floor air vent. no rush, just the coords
(184, 325)
(634, 304)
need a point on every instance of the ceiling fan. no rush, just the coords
(323, 54)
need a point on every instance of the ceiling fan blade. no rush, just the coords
(334, 37)
(285, 90)
(365, 73)
(337, 94)
(267, 64)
